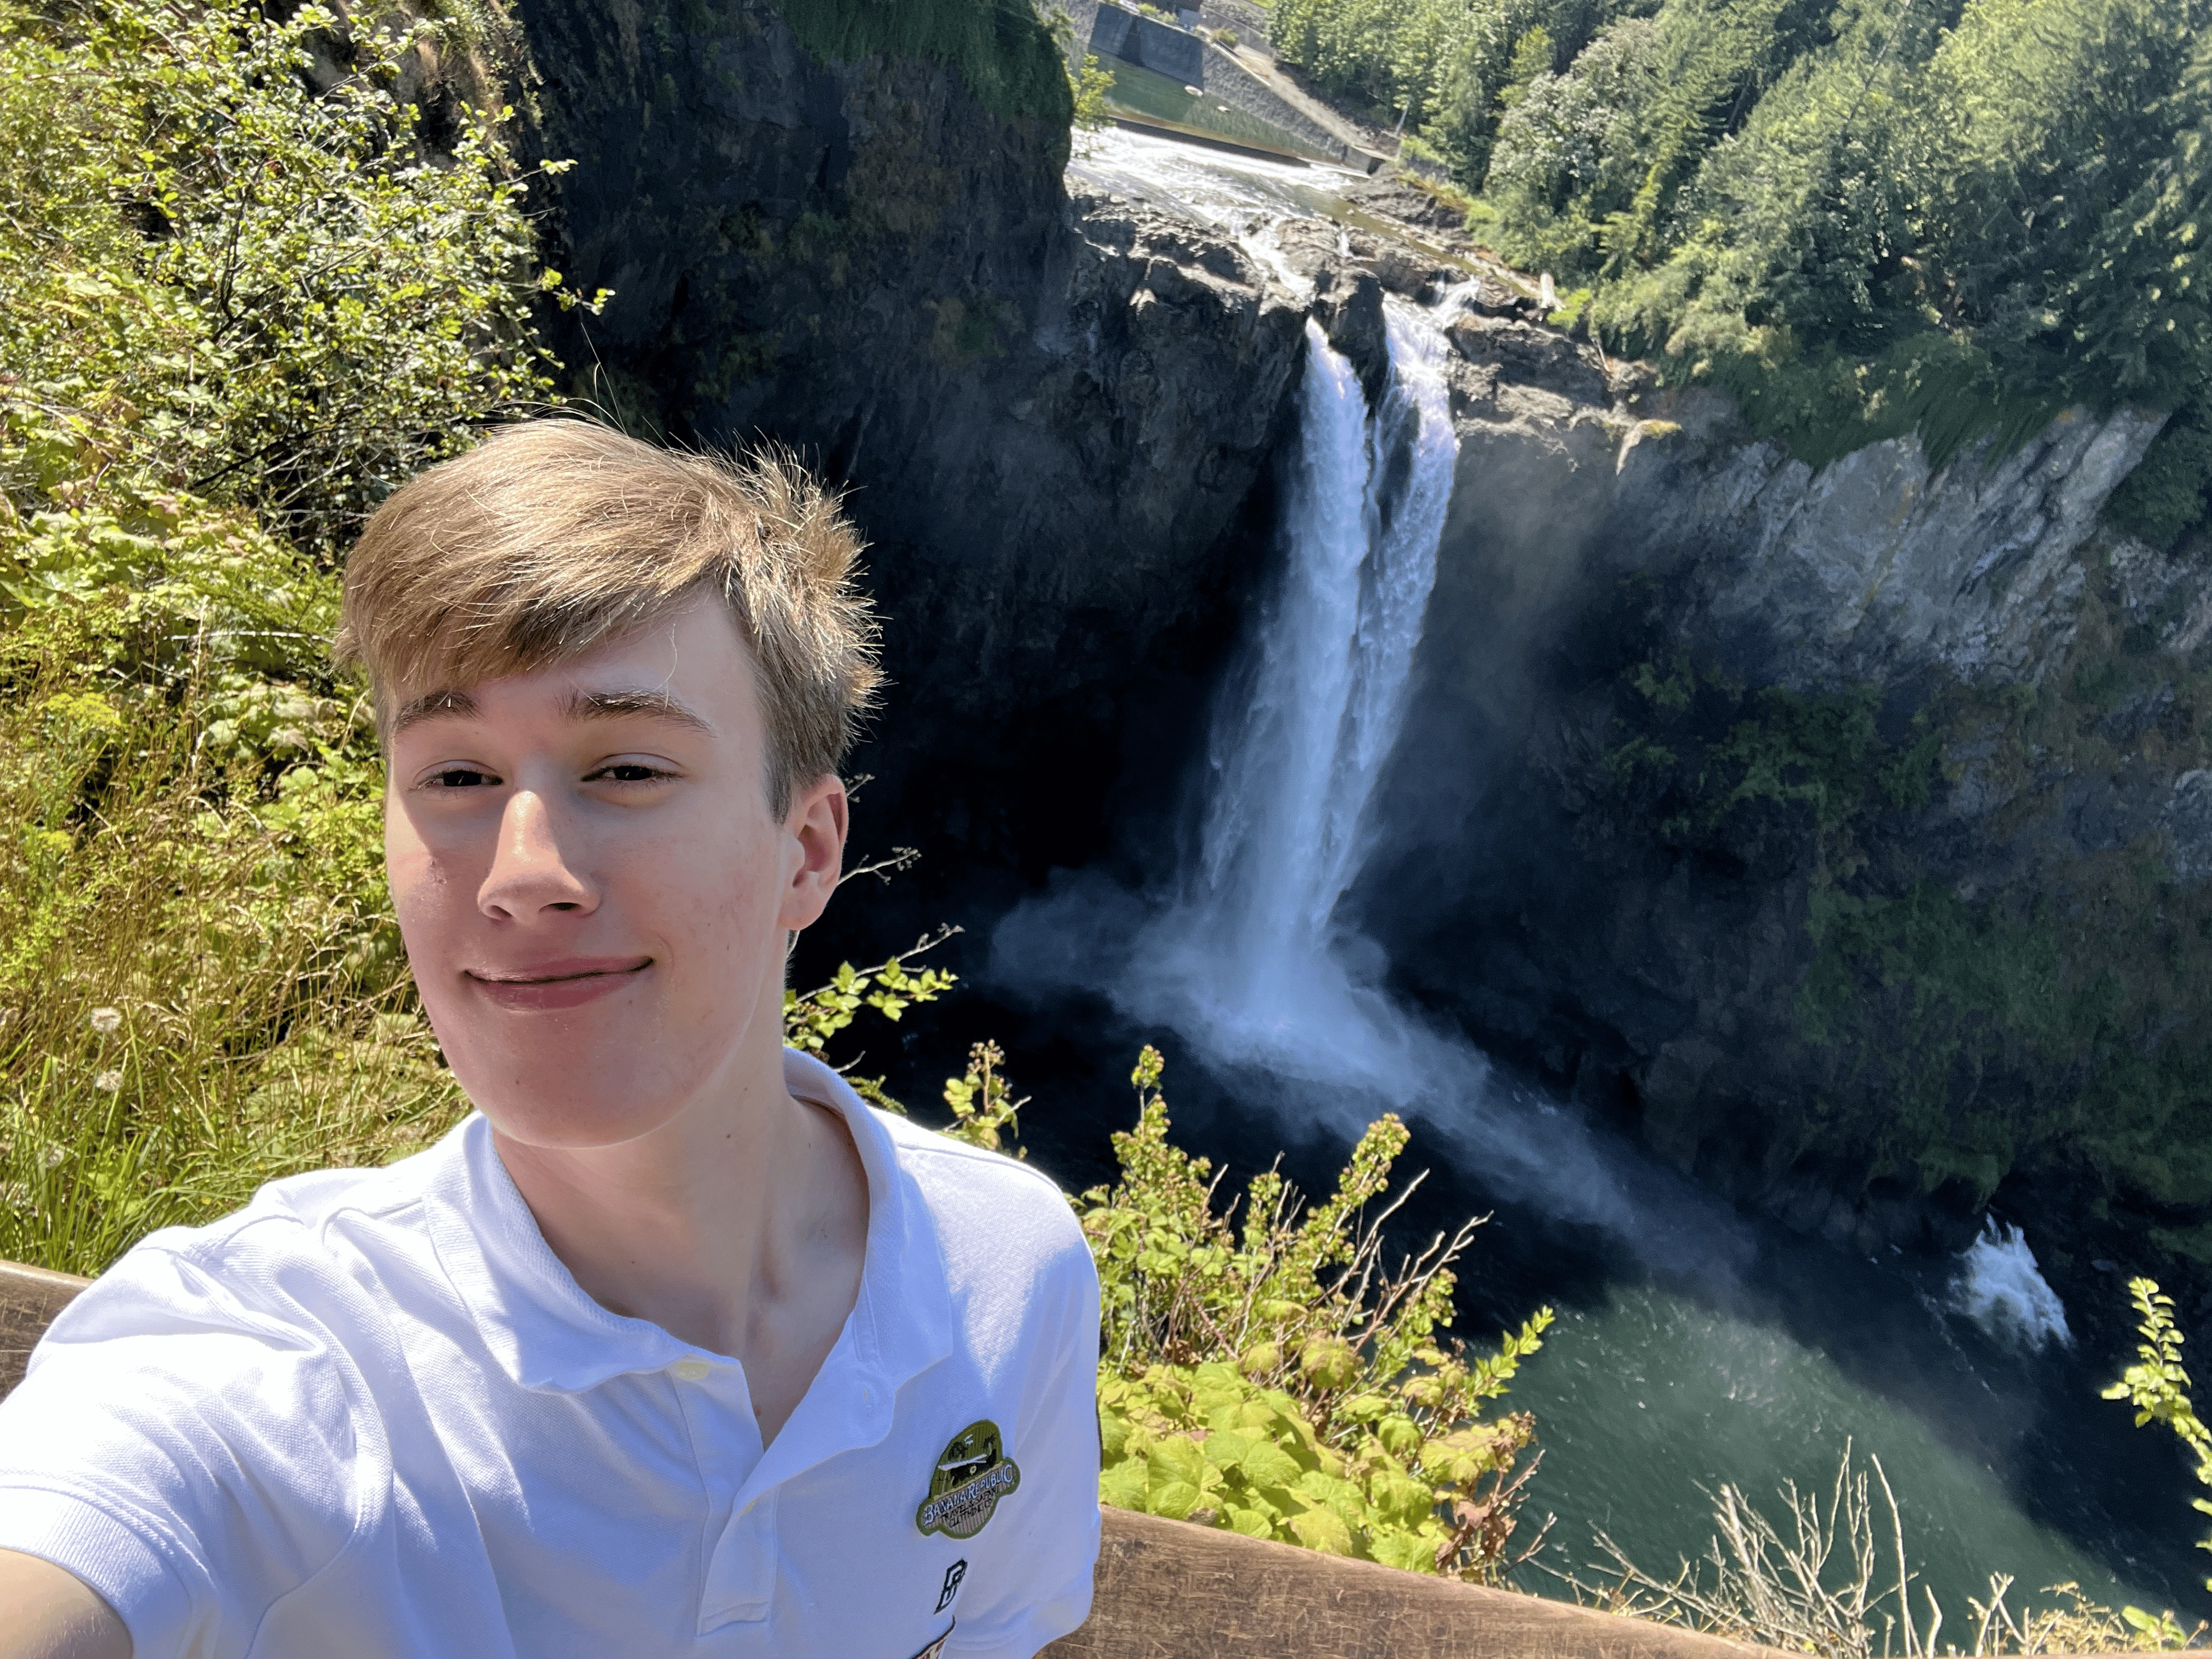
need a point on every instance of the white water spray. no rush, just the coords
(2000, 1289)
(1250, 960)
(1285, 830)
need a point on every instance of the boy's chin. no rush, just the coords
(573, 1108)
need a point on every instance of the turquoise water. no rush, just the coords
(1642, 1400)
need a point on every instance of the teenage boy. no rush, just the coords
(673, 1347)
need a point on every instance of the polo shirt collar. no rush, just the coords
(547, 1335)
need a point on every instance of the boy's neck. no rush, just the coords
(739, 1226)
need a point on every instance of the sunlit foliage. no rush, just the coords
(1270, 1373)
(2157, 1385)
(252, 273)
(1864, 216)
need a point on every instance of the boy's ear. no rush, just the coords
(819, 818)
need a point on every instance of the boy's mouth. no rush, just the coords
(563, 983)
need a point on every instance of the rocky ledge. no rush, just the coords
(1843, 833)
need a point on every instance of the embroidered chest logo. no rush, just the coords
(937, 1647)
(970, 1478)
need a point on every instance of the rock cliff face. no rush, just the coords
(1847, 835)
(1050, 413)
(1842, 833)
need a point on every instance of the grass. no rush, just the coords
(200, 989)
(1829, 1578)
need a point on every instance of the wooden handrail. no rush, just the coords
(29, 1299)
(1167, 1590)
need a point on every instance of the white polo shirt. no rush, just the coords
(371, 1414)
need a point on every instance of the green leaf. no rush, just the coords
(1322, 1529)
(1251, 1523)
(1123, 1485)
(1179, 1458)
(1175, 1499)
(1268, 1465)
(1406, 1551)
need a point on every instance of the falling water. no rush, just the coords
(1248, 957)
(1293, 767)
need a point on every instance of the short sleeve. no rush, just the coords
(181, 1453)
(1058, 1501)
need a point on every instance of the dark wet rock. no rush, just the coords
(1055, 417)
(1613, 850)
(1346, 295)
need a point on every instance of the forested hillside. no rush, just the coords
(1861, 216)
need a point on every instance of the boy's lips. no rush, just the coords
(564, 982)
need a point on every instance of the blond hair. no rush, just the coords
(556, 536)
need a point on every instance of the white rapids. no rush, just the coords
(2000, 1289)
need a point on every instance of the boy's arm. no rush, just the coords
(54, 1615)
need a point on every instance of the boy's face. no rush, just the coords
(593, 895)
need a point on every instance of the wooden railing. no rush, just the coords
(1169, 1590)
(29, 1299)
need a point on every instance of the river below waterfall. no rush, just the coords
(1647, 1396)
(1695, 1346)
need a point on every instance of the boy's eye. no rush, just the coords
(629, 772)
(459, 777)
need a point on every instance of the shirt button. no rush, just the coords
(692, 1371)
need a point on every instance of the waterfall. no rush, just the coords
(1246, 955)
(2000, 1289)
(1294, 767)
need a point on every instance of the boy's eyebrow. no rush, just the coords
(429, 706)
(580, 706)
(622, 704)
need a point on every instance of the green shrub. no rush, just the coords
(2165, 495)
(240, 297)
(1273, 1377)
(1091, 87)
(2157, 1386)
(239, 289)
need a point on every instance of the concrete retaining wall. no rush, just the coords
(1210, 68)
(1231, 84)
(1170, 51)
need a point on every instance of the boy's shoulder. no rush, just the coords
(290, 1215)
(927, 1154)
(252, 1288)
(992, 1213)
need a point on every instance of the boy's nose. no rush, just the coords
(531, 871)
